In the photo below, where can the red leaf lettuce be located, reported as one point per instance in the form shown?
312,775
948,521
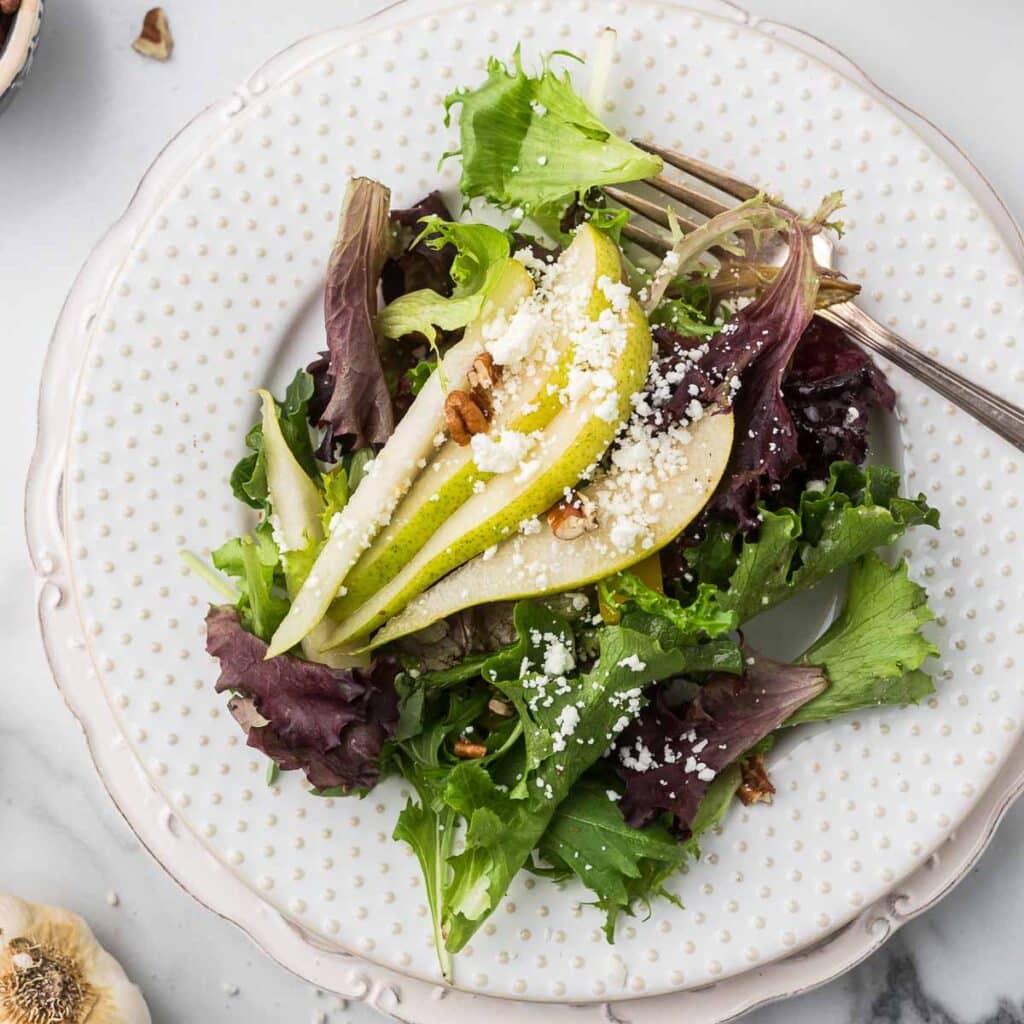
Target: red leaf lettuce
351,400
668,758
332,724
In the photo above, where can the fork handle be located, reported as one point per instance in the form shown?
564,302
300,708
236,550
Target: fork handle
999,415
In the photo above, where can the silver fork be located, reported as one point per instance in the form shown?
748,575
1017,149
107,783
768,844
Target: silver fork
998,414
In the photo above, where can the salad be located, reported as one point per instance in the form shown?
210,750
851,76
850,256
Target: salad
511,522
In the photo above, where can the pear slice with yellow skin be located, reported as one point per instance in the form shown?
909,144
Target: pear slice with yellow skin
297,505
570,446
506,575
451,477
394,469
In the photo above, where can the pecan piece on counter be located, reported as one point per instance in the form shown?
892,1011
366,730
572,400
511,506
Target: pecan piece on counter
756,787
155,39
572,517
463,417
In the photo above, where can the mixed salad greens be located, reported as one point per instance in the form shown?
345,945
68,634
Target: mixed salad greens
513,520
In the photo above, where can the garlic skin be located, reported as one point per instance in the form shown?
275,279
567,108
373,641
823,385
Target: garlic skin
53,971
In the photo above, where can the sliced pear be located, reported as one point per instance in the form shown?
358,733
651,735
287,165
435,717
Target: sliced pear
394,469
451,477
509,574
296,500
570,446
297,505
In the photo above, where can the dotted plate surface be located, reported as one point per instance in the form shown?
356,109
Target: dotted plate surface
220,293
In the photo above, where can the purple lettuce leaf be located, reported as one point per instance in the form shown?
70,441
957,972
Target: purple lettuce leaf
800,391
765,451
830,389
357,411
668,757
414,264
774,321
332,724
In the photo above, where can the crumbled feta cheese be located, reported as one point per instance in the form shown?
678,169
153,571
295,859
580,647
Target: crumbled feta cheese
500,454
558,657
633,662
509,342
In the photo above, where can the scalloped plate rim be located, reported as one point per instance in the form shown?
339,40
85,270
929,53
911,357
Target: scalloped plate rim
376,985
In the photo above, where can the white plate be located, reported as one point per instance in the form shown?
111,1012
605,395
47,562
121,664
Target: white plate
211,285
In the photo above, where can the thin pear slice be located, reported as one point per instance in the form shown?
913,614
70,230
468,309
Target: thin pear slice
530,404
297,505
394,469
573,442
509,573
295,499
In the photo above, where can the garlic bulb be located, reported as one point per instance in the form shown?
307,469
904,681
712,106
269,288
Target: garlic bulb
53,971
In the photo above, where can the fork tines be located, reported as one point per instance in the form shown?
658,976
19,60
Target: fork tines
685,195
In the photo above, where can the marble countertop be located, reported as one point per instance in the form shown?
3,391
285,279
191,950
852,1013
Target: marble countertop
73,146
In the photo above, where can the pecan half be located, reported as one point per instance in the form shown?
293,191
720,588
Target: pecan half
756,787
572,517
155,39
463,416
465,748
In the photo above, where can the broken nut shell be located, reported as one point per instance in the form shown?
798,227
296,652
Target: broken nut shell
155,39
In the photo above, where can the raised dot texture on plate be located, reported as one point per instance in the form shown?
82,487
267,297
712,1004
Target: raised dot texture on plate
236,251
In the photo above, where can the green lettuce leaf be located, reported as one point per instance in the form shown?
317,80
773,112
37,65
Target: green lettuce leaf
874,650
857,510
530,144
703,617
430,831
538,675
502,830
481,253
589,838
419,374
254,561
624,866
427,722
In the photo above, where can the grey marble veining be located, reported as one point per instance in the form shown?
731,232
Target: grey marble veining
94,106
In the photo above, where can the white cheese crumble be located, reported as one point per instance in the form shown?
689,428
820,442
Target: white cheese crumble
510,341
500,454
558,658
633,662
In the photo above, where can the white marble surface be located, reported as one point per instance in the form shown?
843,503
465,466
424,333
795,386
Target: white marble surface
72,147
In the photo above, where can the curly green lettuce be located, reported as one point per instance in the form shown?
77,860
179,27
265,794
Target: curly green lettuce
529,144
481,254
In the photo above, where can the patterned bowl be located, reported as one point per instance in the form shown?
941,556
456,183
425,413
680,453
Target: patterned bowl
18,48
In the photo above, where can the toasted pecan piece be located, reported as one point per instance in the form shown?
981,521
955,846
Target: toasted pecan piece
571,518
755,786
463,416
